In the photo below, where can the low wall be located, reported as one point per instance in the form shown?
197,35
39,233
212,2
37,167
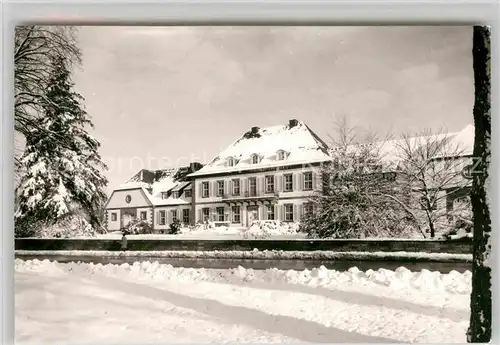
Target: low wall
428,246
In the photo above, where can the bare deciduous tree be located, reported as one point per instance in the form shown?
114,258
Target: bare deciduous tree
433,165
480,319
359,198
36,47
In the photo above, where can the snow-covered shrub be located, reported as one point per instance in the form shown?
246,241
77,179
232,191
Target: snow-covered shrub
138,227
69,227
461,221
175,227
260,229
353,208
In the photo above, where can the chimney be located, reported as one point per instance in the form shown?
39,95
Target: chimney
293,123
255,130
194,166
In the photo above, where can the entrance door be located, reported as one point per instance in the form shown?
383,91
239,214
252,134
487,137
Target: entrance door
127,216
252,214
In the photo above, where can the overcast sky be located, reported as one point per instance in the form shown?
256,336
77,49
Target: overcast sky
162,96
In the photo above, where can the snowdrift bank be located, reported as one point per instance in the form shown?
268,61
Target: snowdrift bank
400,279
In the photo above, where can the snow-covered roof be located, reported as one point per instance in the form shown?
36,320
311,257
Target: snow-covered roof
390,150
465,139
158,201
158,181
155,182
180,186
302,145
132,185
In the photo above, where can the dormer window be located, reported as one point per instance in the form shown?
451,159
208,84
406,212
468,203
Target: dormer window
164,195
281,155
254,159
230,162
175,195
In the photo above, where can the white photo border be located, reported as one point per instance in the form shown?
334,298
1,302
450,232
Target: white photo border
115,12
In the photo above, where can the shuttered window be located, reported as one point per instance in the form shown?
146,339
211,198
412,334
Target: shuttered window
185,216
287,183
269,184
236,214
205,190
205,214
220,214
288,213
308,180
236,187
252,186
270,212
220,188
162,219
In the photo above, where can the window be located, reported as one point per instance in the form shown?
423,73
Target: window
175,195
252,186
144,215
308,208
288,183
162,218
288,212
236,214
220,214
220,188
230,162
205,213
204,189
164,195
114,217
269,184
270,212
128,199
174,215
255,159
308,180
236,187
187,193
185,216
281,155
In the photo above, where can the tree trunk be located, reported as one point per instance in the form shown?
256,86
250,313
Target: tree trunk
480,320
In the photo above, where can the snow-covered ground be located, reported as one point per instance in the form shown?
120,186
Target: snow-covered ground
148,302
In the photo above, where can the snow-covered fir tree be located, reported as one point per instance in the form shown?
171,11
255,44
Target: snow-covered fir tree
63,168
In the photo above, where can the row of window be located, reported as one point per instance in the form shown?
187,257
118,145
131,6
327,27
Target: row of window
175,194
307,184
162,219
256,158
220,214
143,215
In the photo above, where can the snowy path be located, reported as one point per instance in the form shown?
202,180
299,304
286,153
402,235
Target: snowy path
158,303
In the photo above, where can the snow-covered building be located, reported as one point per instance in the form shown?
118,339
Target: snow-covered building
155,196
447,156
266,174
